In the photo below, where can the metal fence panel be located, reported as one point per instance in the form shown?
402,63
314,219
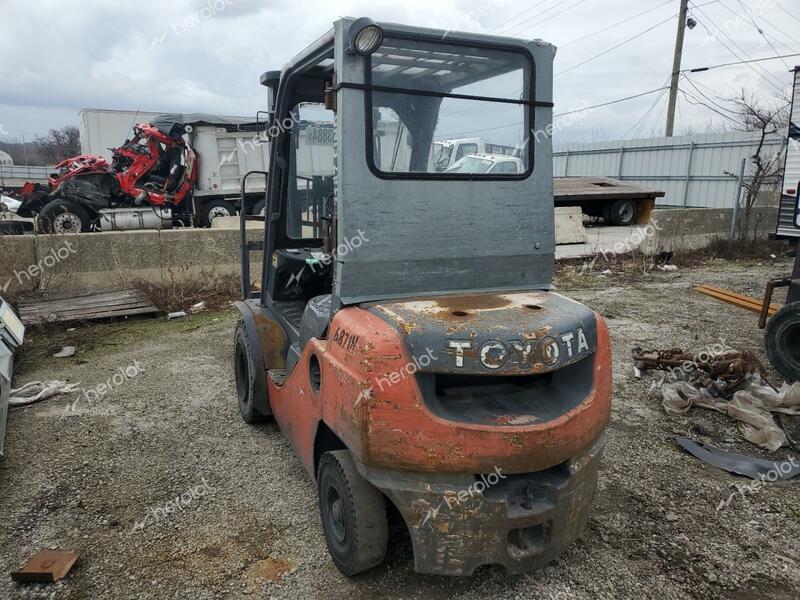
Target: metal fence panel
693,171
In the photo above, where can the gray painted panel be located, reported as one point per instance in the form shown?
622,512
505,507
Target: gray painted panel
438,236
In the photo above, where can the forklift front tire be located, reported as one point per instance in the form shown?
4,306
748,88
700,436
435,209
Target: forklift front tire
353,514
246,373
782,339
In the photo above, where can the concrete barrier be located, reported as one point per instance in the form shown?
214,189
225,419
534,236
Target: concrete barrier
59,264
693,228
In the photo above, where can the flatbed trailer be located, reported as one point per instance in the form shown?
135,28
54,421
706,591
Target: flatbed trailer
618,202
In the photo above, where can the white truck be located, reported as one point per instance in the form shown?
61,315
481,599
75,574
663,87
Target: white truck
495,164
447,153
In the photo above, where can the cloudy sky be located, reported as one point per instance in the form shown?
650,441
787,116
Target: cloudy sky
206,55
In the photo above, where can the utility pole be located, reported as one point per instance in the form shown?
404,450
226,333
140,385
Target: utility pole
676,67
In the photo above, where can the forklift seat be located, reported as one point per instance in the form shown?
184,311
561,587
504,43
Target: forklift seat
316,318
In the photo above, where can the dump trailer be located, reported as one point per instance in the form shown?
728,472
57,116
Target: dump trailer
405,334
782,335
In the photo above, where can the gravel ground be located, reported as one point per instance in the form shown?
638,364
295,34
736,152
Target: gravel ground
99,479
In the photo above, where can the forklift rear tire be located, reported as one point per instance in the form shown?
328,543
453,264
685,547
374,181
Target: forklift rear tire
621,213
782,339
64,216
245,370
217,208
353,514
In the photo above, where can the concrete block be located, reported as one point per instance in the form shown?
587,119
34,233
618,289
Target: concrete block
569,225
233,223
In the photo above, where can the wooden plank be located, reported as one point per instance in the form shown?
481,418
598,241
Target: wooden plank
87,314
84,300
48,566
733,296
86,307
735,299
95,316
83,308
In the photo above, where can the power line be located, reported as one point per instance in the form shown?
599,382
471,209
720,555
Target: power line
571,112
739,62
699,91
699,102
735,44
518,15
529,19
658,99
638,35
580,39
751,67
788,13
760,31
778,29
538,23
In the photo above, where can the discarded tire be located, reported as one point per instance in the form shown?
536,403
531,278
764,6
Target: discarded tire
782,339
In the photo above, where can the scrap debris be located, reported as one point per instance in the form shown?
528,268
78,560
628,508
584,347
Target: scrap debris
65,352
733,383
40,390
740,464
47,566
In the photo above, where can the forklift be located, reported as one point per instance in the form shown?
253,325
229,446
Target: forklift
404,334
782,330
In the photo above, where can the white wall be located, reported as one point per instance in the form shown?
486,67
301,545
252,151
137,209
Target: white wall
690,169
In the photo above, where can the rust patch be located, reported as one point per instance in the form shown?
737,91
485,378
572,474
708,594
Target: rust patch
443,527
451,498
515,419
474,302
272,339
514,440
272,569
457,316
419,508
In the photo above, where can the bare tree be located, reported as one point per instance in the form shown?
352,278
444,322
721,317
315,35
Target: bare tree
766,118
59,144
